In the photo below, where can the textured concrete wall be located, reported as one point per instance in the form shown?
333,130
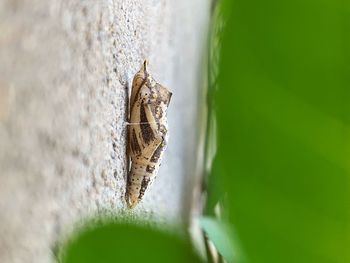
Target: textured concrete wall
65,73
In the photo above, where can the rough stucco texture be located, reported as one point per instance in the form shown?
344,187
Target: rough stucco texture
65,73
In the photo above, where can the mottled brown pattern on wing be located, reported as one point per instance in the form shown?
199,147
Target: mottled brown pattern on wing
144,184
146,130
132,102
150,168
135,147
156,155
138,81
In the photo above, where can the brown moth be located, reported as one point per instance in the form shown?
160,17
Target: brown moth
147,133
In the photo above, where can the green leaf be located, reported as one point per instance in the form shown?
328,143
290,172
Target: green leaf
221,236
283,116
124,242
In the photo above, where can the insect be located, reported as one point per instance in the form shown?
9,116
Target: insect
147,133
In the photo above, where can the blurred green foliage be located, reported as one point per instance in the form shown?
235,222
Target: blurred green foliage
118,241
282,109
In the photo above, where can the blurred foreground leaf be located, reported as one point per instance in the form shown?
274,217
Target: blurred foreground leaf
221,236
123,242
283,118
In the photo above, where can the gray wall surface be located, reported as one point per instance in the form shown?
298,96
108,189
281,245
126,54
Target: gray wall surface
65,72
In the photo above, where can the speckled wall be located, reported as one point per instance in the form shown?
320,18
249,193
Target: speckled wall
65,73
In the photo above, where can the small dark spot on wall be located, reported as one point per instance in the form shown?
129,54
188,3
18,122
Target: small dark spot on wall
93,183
85,160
